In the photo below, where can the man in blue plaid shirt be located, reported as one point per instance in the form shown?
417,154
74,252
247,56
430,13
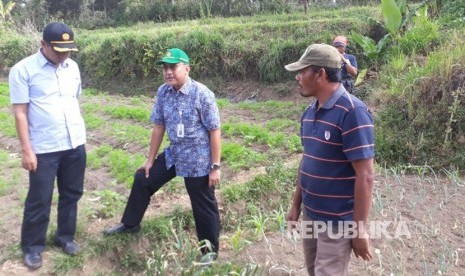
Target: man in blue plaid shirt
188,112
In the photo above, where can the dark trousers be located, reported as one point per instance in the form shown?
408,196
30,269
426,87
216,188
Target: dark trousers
203,200
68,168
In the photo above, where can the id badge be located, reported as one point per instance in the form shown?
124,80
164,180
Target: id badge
180,130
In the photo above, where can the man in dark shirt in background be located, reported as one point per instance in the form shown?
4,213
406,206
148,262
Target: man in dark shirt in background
349,67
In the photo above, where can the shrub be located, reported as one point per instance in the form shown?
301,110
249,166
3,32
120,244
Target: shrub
421,120
13,48
453,11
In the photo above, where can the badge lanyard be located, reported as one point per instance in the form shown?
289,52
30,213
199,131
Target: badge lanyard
180,131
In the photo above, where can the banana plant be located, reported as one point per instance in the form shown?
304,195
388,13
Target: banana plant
394,16
5,10
371,49
392,12
395,20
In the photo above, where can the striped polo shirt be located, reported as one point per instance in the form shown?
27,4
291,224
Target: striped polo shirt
333,135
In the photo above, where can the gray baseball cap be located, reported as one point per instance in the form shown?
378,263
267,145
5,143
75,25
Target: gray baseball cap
319,55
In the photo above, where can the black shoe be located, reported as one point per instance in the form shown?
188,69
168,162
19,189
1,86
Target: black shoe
70,248
33,260
121,228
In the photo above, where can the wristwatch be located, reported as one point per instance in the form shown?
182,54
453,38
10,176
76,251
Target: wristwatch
215,166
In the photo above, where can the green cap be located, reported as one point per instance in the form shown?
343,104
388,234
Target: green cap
174,56
319,55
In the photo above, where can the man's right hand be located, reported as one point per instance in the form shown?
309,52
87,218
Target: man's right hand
146,168
29,161
344,60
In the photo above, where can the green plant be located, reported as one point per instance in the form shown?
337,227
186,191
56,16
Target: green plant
126,112
158,227
280,218
259,223
421,105
7,124
127,133
182,219
3,186
396,20
110,203
5,10
123,165
235,192
392,12
95,157
421,36
62,264
453,11
93,121
132,260
237,240
238,156
371,49
4,101
157,263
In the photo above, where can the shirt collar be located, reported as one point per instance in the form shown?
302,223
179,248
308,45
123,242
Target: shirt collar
333,99
44,61
41,59
185,88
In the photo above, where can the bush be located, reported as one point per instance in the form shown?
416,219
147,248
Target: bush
14,47
254,48
421,119
420,38
453,11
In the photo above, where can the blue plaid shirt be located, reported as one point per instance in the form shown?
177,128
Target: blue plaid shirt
194,106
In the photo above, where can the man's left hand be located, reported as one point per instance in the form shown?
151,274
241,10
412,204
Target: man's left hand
214,178
361,247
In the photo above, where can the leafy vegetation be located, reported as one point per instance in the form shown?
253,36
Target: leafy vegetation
229,49
420,121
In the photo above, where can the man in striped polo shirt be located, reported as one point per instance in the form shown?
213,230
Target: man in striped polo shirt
336,174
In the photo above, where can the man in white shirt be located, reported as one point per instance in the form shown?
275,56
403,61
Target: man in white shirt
44,91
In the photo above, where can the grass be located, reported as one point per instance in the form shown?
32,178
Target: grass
7,124
237,156
93,121
9,163
127,133
127,112
111,204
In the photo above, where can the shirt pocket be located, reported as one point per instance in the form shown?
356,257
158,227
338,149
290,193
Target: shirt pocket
69,84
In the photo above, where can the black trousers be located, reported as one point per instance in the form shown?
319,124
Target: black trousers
203,200
68,168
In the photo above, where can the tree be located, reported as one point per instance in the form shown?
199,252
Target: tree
109,7
67,9
305,4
